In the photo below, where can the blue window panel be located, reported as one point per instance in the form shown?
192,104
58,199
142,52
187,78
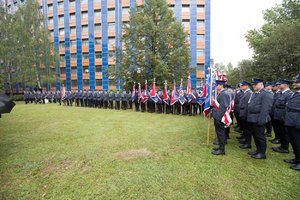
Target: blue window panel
178,10
17,87
79,46
31,88
91,44
132,3
104,44
118,28
67,45
193,40
207,38
56,41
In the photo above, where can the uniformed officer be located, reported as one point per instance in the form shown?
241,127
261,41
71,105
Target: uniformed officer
194,103
105,99
124,100
76,97
118,99
111,99
269,124
223,100
129,99
279,113
276,92
259,106
238,95
292,123
244,96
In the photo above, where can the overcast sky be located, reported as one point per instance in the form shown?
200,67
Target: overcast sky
230,21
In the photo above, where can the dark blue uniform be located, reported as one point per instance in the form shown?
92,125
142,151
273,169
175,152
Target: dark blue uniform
259,106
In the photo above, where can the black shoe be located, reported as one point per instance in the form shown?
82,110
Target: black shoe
275,141
216,148
242,141
259,156
280,150
245,146
268,134
296,167
240,137
251,153
218,152
290,161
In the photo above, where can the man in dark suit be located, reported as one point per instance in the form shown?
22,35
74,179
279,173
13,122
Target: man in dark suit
222,102
276,92
245,94
279,113
259,106
292,124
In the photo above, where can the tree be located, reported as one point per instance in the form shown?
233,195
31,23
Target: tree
155,46
244,71
26,52
276,44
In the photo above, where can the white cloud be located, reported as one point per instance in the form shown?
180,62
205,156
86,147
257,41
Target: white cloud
230,21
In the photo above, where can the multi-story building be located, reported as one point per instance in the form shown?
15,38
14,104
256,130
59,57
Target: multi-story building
86,32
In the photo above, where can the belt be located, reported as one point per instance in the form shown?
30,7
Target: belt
292,110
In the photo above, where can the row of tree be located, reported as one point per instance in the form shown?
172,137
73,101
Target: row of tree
276,46
26,52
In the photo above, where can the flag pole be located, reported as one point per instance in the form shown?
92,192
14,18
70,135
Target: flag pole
131,97
209,116
165,105
155,106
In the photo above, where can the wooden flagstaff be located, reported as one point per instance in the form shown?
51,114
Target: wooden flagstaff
164,104
131,96
208,129
155,106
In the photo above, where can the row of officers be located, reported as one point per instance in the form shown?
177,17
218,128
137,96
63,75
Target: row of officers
118,100
268,106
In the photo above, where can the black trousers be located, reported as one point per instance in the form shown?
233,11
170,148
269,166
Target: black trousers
275,127
105,104
282,134
111,104
294,135
137,106
246,131
118,105
269,127
221,135
143,107
258,133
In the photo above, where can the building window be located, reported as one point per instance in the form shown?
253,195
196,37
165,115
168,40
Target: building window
200,23
85,28
60,18
111,13
200,52
200,67
61,31
86,82
98,68
84,1
86,70
200,38
50,20
51,33
111,54
186,23
97,13
63,70
61,4
111,26
73,56
61,44
73,43
73,70
98,41
97,27
85,56
125,11
72,30
62,58
200,9
111,41
112,82
74,82
84,15
186,8
98,55
50,7
85,42
72,16
98,82
72,3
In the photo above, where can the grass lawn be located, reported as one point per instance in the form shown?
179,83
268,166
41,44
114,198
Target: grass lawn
53,152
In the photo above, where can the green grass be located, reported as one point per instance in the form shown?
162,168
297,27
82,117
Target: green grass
53,152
